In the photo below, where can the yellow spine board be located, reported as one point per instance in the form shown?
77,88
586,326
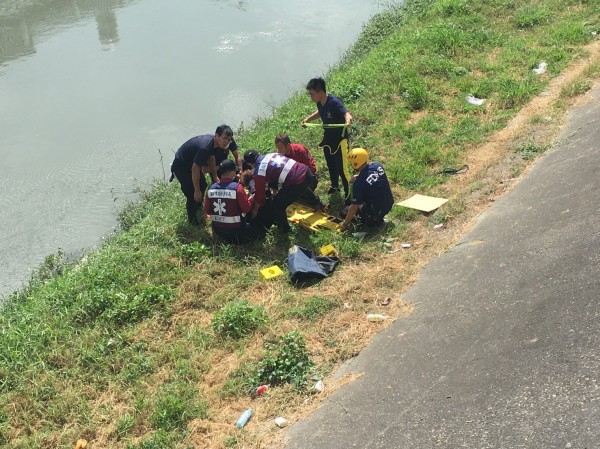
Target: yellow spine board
311,220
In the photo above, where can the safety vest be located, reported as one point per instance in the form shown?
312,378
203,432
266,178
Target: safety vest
279,170
225,211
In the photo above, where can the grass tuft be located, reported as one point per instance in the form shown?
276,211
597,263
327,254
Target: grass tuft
175,406
530,150
238,319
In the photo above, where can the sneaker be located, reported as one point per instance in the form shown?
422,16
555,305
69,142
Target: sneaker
333,190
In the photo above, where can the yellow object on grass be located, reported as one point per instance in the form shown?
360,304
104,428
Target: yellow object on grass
270,273
327,250
306,217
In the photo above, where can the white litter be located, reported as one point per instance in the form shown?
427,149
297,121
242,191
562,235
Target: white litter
541,68
406,245
375,317
475,101
281,421
319,386
438,226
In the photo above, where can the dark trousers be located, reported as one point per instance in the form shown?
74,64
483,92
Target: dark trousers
308,196
337,163
369,216
239,236
183,173
286,196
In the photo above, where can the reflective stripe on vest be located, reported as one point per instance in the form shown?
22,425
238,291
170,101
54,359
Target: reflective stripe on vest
222,198
286,169
262,168
269,158
221,219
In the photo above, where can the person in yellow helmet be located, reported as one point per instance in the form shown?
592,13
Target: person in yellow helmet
372,197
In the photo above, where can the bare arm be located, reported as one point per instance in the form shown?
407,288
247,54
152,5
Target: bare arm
348,118
310,118
212,168
196,173
238,159
351,214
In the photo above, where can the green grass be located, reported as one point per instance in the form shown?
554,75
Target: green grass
175,406
313,308
238,319
575,88
153,313
286,361
530,150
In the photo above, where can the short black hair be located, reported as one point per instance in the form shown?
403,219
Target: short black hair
224,129
250,156
226,166
316,84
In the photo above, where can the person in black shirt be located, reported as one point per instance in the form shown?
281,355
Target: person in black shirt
198,156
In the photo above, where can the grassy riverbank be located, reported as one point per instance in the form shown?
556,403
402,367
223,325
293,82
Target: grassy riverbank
155,340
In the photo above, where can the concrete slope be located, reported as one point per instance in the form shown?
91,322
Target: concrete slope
503,350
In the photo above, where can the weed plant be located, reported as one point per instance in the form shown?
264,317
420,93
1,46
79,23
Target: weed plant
238,319
286,361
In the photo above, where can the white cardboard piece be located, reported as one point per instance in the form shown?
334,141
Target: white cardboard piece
423,203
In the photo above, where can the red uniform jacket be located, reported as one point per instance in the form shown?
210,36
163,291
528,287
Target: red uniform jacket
225,202
301,154
277,171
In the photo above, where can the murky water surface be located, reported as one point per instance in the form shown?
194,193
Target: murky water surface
91,90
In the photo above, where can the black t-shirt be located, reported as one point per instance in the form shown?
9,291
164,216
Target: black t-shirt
198,149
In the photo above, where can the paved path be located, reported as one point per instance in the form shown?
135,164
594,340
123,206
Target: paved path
503,350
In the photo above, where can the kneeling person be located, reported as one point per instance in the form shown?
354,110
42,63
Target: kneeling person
227,203
372,197
289,178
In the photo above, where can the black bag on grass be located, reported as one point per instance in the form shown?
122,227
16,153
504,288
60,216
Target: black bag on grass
304,265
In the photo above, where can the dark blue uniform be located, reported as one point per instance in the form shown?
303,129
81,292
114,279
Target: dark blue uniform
333,112
372,190
196,150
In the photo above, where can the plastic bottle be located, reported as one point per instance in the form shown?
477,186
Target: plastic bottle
244,418
374,317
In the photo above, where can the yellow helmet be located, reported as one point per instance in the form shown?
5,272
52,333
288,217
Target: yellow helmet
358,157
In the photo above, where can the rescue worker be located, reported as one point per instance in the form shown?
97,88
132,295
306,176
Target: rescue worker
332,111
198,156
227,203
290,179
298,152
372,197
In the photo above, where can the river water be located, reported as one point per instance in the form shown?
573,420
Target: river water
92,92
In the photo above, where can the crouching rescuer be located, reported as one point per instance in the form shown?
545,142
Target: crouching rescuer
227,203
287,177
372,197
